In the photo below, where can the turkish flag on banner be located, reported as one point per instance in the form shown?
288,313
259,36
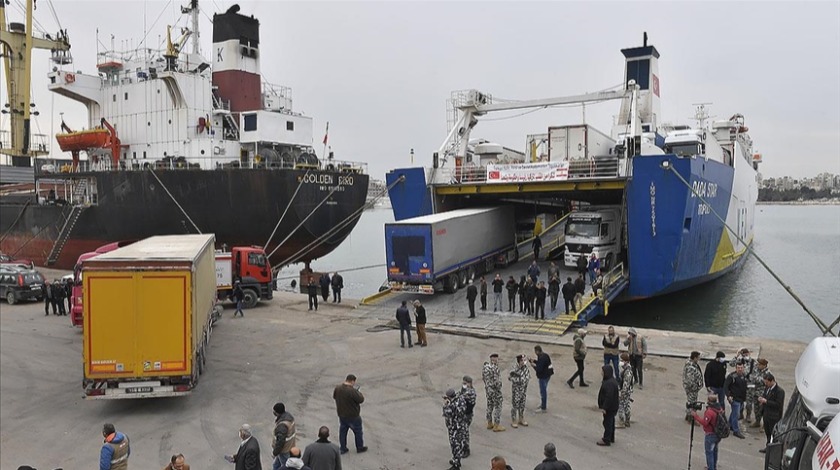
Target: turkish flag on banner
655,85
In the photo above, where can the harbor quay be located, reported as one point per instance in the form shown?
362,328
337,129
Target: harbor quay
282,351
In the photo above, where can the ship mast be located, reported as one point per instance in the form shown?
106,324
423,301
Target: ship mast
193,12
17,43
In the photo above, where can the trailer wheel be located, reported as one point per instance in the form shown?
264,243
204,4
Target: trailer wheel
10,297
471,273
451,284
251,298
199,363
462,278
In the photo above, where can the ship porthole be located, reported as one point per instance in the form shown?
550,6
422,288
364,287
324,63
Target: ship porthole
202,152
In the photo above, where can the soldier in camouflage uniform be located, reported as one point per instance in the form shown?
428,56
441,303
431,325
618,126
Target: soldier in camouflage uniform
519,377
493,388
625,391
750,370
761,371
692,381
468,392
454,411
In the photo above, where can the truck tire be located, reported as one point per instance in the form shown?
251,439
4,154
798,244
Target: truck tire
471,273
450,286
10,297
199,365
251,298
463,277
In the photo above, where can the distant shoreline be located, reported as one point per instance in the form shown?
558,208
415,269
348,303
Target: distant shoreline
831,202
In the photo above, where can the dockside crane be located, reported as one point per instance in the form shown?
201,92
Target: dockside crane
17,42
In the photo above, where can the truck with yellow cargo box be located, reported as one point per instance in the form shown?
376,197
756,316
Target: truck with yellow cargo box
149,309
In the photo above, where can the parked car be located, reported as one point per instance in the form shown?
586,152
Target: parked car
6,259
19,283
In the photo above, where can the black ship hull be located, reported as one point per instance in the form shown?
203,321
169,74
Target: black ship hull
240,206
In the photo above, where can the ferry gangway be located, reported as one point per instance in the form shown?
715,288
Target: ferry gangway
615,282
553,237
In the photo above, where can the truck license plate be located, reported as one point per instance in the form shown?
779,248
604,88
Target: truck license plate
138,390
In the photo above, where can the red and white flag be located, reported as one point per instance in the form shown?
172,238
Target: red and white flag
327,133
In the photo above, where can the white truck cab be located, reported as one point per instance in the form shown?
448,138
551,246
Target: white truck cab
813,404
594,230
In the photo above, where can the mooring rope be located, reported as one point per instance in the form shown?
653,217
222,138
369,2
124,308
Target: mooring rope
300,183
174,200
822,326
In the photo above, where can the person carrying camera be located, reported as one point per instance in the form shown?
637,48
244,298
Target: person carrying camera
711,441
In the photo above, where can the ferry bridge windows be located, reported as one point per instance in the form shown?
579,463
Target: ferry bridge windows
126,96
639,70
250,122
290,125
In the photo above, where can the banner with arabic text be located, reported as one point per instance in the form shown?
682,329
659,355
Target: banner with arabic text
527,172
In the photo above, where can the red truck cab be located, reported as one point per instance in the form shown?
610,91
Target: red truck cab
76,317
250,266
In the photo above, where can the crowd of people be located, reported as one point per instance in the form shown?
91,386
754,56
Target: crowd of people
750,390
56,293
285,453
533,292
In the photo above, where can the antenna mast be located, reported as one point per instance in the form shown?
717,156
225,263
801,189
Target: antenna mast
193,12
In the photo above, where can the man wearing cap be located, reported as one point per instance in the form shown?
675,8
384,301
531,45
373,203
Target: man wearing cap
579,357
714,376
247,457
420,321
550,462
284,435
637,348
773,402
468,393
762,369
491,376
454,409
692,381
519,377
750,371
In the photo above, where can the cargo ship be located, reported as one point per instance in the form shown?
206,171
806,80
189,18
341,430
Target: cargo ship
174,143
676,201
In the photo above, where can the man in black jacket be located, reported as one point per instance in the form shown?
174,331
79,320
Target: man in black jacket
337,284
553,291
551,462
714,376
539,301
542,366
569,292
248,455
472,293
420,320
512,287
498,287
404,319
312,290
735,388
325,282
773,404
608,404
483,292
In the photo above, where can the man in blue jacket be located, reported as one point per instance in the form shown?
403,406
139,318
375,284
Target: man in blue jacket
115,450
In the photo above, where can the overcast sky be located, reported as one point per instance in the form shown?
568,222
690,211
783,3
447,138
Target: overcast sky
380,73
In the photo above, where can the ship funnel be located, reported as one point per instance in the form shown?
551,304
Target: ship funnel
236,60
642,66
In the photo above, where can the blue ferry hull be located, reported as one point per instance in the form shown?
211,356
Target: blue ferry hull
675,241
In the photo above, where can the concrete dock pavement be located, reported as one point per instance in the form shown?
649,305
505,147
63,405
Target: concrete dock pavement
280,351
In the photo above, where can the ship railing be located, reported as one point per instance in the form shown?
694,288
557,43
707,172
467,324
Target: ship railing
39,144
579,170
61,172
